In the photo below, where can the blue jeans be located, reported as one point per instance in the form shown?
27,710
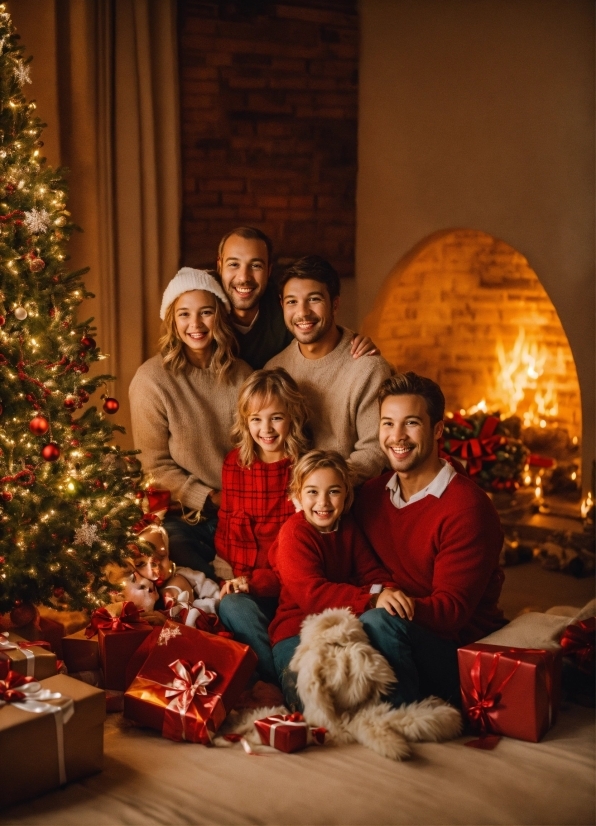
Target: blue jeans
248,618
191,546
282,654
423,663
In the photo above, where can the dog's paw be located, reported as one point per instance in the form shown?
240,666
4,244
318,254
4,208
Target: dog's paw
371,727
431,719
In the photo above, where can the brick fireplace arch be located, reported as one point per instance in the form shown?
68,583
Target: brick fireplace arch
467,310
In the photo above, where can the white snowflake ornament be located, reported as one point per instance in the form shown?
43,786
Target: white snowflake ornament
37,221
22,73
168,633
86,535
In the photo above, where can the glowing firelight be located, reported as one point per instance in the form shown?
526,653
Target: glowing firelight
587,505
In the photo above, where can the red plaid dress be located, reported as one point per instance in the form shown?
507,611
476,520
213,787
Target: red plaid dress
254,506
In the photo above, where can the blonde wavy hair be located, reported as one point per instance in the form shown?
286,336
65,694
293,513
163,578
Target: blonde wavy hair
258,391
224,351
315,460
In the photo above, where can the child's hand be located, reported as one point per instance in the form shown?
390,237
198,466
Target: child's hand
363,346
396,602
239,585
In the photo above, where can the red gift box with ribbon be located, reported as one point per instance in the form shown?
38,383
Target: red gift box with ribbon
579,644
189,683
288,732
118,638
513,692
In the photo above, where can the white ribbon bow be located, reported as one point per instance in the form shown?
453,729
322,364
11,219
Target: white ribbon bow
183,689
183,602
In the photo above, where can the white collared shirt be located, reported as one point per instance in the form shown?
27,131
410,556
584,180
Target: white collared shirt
242,328
435,488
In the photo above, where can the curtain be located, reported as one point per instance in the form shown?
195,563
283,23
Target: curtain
111,81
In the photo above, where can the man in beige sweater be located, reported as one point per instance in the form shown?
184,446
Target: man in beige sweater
341,391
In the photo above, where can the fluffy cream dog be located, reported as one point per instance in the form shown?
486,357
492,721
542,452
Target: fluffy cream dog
341,679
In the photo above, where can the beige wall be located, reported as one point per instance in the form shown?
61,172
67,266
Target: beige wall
480,114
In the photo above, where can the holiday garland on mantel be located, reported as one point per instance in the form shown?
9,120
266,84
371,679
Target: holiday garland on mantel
68,498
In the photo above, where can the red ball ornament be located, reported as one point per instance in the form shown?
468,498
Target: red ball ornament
50,452
70,402
37,265
83,396
98,483
111,405
6,495
140,494
59,593
88,343
39,425
74,443
23,614
82,368
1,409
2,321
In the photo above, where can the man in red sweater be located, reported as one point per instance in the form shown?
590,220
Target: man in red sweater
439,537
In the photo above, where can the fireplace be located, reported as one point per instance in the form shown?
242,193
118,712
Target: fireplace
467,310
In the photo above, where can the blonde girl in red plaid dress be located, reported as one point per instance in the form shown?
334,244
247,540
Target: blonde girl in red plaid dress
270,434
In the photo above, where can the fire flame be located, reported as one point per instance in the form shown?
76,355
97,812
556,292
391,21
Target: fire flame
517,389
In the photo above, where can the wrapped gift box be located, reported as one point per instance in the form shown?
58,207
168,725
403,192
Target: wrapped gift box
80,652
510,691
189,683
30,754
17,654
45,629
118,638
288,732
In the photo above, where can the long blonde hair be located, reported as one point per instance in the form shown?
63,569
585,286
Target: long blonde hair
315,460
224,351
258,390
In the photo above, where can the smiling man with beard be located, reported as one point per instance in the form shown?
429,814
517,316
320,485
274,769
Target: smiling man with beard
340,390
439,537
244,261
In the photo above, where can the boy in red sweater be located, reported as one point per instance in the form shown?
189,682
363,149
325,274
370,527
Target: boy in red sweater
321,558
439,537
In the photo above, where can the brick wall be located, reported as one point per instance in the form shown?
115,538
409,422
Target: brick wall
444,309
268,110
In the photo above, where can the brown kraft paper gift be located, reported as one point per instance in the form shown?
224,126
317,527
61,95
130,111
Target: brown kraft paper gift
30,660
29,742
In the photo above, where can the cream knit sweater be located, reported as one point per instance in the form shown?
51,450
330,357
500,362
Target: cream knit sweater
181,423
341,393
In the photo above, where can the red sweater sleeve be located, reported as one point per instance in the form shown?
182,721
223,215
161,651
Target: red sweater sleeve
303,561
367,568
471,541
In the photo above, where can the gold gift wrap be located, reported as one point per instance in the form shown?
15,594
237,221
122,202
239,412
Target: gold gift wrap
40,665
29,756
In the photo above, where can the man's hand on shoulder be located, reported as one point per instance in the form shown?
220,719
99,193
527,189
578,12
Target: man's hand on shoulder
396,603
363,346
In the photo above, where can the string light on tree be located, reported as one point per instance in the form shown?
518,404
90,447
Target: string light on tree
65,512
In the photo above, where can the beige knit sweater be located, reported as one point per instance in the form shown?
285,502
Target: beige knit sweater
181,423
341,393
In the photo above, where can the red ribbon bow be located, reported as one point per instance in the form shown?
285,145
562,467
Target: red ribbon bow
483,701
479,449
9,687
578,642
101,619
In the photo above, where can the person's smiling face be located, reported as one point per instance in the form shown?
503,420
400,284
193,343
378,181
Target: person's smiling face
244,270
405,433
323,497
194,315
309,312
269,425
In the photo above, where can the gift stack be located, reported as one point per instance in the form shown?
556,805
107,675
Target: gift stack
99,654
513,692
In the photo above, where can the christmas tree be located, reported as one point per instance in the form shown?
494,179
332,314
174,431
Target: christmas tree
68,497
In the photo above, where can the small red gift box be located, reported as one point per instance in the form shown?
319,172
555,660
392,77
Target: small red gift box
288,732
118,638
510,691
188,683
